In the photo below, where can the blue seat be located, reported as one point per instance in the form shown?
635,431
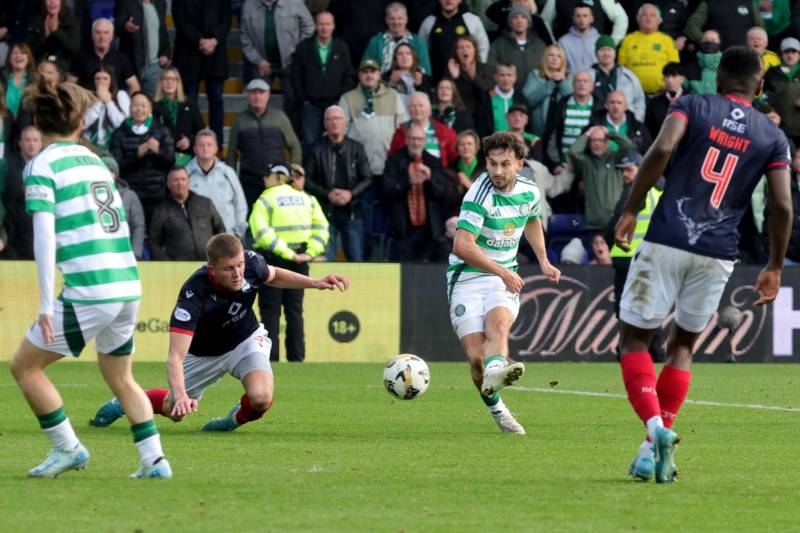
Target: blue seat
561,229
101,9
565,224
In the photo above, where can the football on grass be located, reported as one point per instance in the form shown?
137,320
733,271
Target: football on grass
406,376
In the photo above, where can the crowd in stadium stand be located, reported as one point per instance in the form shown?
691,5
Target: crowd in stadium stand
378,108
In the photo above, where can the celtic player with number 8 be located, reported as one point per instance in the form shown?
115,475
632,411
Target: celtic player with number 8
79,226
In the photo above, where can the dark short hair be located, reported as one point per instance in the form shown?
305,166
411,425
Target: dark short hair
580,5
504,141
142,93
740,64
177,168
222,246
672,69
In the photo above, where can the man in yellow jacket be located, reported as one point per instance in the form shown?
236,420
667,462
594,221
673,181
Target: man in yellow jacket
289,229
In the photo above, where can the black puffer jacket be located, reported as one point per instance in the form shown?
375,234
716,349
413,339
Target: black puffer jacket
145,175
259,141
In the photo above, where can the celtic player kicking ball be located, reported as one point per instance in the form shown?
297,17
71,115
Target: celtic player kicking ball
482,283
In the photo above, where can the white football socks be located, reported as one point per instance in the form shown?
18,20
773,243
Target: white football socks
653,424
494,363
63,436
150,449
645,449
498,409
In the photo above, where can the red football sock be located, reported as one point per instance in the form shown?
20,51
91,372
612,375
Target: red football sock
246,413
639,376
672,386
156,397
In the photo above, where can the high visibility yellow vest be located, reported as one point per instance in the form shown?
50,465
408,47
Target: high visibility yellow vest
642,223
285,219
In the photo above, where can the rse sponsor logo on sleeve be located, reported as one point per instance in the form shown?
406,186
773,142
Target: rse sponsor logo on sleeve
472,217
182,314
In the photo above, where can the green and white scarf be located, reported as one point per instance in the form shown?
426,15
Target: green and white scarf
139,129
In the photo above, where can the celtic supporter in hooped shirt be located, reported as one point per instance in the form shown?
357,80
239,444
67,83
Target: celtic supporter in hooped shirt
482,284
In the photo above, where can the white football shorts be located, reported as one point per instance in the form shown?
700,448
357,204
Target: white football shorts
111,325
661,276
472,299
250,355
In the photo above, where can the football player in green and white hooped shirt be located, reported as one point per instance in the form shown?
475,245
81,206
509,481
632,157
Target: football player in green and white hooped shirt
482,283
79,226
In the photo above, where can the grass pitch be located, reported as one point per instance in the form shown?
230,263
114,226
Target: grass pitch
337,453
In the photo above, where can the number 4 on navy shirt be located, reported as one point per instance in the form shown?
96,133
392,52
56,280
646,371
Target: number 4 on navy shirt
728,146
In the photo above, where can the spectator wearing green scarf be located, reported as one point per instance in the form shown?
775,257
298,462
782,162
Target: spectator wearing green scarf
178,113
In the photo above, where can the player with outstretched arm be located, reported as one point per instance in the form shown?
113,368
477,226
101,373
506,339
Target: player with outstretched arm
722,147
213,331
482,282
79,226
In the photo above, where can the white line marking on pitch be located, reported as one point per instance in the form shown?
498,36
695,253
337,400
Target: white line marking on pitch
622,396
61,385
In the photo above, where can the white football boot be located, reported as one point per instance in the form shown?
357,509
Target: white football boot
507,423
495,380
59,461
158,470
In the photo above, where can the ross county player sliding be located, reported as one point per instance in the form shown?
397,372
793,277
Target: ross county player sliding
213,331
722,147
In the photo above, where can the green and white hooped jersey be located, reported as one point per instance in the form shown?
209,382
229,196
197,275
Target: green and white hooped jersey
93,247
498,219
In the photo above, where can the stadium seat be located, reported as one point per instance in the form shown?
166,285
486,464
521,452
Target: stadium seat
101,9
561,229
